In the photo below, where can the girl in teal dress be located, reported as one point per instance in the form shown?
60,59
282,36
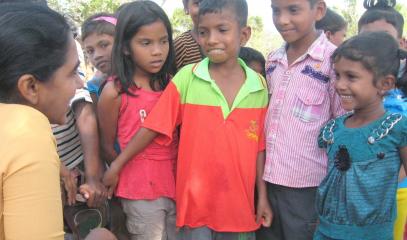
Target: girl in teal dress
366,147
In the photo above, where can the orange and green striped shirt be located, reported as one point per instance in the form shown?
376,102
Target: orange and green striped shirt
218,147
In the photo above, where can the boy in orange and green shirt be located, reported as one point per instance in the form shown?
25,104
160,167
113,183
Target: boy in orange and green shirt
220,105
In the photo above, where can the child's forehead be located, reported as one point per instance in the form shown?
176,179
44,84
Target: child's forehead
287,3
227,14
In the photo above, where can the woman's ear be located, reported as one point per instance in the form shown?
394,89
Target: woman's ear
28,89
386,84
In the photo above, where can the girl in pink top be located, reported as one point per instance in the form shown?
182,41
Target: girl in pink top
142,58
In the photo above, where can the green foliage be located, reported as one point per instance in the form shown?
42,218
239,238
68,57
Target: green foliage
403,10
260,40
351,16
79,10
180,22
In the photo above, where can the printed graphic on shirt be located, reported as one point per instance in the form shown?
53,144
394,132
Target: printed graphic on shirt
318,75
271,69
143,115
252,131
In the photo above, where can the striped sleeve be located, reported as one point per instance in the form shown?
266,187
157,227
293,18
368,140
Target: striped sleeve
187,50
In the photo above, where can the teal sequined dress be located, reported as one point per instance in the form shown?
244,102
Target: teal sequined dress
357,198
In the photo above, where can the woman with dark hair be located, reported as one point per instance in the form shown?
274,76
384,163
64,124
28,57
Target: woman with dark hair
38,77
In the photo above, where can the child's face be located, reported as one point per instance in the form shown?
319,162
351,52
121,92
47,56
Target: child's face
256,66
220,36
98,48
149,47
380,25
295,19
355,86
192,8
338,37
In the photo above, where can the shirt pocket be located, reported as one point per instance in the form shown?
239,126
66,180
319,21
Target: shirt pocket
308,105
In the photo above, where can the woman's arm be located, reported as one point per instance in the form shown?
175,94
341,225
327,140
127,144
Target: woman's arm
31,190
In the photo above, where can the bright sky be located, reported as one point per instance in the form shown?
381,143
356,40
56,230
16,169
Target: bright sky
262,8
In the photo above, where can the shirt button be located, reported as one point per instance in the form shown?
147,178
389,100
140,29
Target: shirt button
287,72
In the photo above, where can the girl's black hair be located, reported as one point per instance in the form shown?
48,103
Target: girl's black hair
33,40
381,61
382,9
248,55
90,26
131,17
332,22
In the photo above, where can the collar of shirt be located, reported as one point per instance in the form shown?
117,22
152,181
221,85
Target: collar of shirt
253,83
315,51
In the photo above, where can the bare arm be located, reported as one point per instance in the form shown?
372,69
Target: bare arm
140,140
108,114
403,156
264,214
86,122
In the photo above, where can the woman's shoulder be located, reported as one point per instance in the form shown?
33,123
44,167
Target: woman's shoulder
20,117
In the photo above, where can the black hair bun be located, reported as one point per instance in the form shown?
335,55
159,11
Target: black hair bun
368,4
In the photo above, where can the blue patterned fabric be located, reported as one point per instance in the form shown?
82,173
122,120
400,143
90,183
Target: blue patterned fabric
396,102
360,203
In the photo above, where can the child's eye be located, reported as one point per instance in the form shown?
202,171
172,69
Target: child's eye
104,45
275,11
165,41
89,51
145,43
352,77
293,9
201,33
337,75
223,30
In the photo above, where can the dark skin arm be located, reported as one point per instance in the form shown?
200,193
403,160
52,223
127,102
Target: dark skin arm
95,192
139,141
403,156
264,215
108,115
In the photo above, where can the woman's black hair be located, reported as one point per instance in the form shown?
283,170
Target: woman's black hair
131,18
248,55
381,61
33,40
100,26
382,10
332,22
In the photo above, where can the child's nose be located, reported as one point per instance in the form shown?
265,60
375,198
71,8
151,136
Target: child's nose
157,49
283,19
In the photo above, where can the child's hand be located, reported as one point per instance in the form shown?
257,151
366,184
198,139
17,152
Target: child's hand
94,192
110,179
264,215
69,178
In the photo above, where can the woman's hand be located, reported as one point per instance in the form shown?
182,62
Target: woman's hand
70,180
